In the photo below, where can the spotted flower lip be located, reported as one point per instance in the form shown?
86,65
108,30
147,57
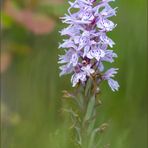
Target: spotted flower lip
87,44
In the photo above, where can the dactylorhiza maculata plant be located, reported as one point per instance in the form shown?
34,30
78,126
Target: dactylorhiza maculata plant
87,48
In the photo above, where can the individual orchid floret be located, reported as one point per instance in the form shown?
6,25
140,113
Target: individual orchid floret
109,56
88,70
78,77
108,75
113,84
95,53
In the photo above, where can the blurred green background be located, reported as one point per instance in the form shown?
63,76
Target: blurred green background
31,89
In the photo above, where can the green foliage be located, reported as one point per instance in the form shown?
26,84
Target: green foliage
31,87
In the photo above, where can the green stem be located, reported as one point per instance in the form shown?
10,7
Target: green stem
88,117
85,122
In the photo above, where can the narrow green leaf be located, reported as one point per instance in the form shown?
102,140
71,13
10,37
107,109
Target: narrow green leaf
90,108
92,138
88,87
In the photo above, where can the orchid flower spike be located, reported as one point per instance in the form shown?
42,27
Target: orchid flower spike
87,46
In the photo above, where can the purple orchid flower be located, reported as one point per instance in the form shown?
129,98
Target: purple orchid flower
87,41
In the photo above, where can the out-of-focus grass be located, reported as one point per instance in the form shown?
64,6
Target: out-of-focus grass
31,87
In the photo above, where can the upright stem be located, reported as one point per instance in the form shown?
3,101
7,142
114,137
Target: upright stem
85,113
88,116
